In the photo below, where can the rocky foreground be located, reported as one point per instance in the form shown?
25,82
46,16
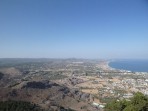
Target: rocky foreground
48,95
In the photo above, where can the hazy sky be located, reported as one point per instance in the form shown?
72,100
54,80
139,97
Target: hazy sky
74,28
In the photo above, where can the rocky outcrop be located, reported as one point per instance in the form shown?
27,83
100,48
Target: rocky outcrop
11,71
75,81
49,95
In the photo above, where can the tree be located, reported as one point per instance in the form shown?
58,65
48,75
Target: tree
18,106
138,102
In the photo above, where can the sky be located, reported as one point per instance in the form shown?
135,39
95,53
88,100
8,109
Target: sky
94,29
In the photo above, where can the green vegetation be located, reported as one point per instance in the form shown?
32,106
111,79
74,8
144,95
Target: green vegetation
137,103
119,91
106,99
18,106
57,76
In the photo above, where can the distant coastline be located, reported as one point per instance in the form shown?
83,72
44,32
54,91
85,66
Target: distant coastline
130,65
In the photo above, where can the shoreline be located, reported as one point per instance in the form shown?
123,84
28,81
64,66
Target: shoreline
113,68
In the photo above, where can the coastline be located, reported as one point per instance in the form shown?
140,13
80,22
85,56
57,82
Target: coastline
119,69
109,62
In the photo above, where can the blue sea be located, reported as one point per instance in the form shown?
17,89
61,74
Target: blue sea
130,65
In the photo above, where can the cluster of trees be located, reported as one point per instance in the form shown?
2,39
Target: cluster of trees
18,106
25,106
138,102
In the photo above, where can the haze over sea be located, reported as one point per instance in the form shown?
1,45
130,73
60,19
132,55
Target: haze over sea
130,65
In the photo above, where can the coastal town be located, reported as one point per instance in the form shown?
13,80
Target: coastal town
89,83
109,83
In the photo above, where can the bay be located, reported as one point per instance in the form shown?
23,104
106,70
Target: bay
130,65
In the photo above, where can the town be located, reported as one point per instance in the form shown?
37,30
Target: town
91,82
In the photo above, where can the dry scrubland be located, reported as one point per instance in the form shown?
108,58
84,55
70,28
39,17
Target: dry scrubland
69,84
